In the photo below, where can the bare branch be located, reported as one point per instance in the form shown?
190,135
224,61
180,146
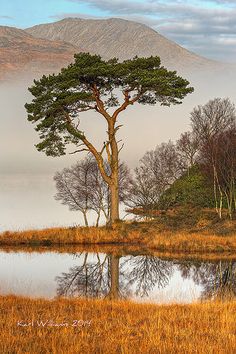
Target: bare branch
100,104
98,158
121,147
108,153
126,103
75,132
87,109
80,150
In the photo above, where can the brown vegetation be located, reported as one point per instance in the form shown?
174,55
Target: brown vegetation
161,235
115,327
21,53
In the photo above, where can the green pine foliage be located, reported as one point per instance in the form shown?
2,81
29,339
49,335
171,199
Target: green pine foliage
91,83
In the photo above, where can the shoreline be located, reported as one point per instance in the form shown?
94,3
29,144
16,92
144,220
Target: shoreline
138,235
120,250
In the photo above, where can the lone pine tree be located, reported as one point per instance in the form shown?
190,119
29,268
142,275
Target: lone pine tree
108,88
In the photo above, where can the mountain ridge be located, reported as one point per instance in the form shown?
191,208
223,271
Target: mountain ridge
46,48
120,38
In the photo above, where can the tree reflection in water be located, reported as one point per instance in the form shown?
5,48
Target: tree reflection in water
218,279
114,276
146,272
90,279
117,276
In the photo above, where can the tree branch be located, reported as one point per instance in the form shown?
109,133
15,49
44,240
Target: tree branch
85,109
78,134
98,158
121,148
100,105
80,150
108,153
126,103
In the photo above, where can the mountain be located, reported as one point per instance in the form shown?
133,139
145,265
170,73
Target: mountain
22,53
121,39
45,48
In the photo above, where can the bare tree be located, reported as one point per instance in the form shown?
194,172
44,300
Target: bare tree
158,169
99,193
82,188
73,187
141,192
213,118
218,156
214,126
226,168
188,147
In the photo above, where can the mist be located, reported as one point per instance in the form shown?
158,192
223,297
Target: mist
26,176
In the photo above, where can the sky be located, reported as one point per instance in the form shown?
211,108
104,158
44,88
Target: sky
205,27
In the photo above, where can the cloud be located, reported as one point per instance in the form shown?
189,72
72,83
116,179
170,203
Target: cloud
147,7
62,15
222,2
5,17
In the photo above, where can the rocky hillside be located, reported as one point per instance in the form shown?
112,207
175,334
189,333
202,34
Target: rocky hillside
121,39
22,53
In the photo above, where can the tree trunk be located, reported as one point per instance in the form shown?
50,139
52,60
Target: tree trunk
114,190
113,159
98,218
85,218
114,274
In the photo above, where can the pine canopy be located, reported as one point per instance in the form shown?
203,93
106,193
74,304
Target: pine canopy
107,87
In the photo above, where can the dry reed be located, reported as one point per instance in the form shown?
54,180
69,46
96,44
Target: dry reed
115,327
141,234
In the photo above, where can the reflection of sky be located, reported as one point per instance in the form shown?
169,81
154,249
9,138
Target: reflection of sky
178,290
33,274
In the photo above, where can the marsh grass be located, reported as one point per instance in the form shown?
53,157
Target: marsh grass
143,234
116,327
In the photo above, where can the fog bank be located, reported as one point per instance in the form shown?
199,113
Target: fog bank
26,176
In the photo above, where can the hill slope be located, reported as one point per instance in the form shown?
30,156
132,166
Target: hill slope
122,39
22,53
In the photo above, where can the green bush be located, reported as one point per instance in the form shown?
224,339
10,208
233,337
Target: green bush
190,189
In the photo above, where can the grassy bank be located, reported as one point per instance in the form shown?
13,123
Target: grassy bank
143,234
115,327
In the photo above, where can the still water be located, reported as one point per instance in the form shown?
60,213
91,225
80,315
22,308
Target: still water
140,277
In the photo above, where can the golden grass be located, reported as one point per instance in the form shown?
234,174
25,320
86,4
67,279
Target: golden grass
184,242
115,327
147,235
